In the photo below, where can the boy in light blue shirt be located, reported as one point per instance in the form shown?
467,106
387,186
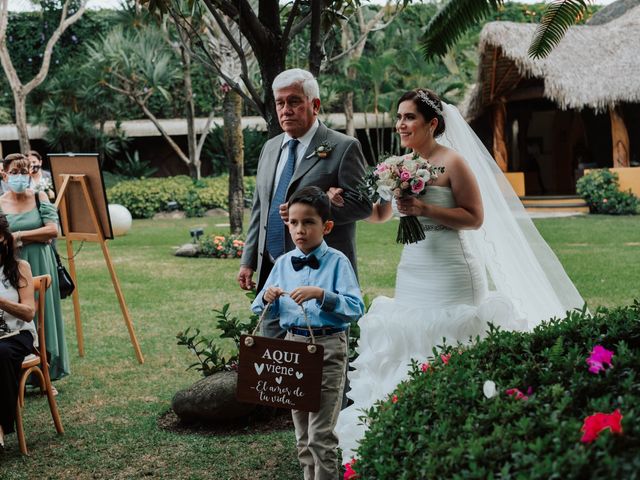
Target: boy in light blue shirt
322,277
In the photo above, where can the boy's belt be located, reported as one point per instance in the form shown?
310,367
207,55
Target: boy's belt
316,331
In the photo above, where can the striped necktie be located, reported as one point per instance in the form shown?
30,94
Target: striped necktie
275,226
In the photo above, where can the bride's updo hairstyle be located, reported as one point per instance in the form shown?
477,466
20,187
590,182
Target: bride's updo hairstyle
428,104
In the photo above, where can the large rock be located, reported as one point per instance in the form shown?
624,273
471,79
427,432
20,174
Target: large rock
174,215
188,250
212,399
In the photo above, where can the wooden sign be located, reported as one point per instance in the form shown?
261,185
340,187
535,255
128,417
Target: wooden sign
280,373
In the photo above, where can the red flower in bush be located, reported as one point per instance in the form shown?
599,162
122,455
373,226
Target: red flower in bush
394,399
350,473
598,358
517,393
596,423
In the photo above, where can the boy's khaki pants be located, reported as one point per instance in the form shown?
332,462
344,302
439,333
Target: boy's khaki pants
317,442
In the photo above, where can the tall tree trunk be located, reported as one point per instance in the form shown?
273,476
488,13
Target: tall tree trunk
20,101
347,105
234,149
269,71
194,160
315,47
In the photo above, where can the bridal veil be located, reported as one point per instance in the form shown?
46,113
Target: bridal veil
520,264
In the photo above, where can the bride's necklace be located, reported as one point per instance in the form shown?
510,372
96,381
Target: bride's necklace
431,151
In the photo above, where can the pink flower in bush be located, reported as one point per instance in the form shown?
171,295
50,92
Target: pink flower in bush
349,471
598,358
517,393
445,358
425,366
596,423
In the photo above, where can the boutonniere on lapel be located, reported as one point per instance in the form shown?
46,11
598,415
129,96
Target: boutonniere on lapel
323,150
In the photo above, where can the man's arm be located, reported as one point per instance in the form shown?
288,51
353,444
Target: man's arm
351,173
345,302
249,260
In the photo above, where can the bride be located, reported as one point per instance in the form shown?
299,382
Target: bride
482,261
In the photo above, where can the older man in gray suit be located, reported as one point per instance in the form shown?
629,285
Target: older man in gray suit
306,153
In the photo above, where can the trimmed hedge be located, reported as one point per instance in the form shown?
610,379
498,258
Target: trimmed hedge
147,196
441,425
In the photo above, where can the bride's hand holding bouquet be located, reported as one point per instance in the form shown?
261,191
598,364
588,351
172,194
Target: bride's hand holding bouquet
404,178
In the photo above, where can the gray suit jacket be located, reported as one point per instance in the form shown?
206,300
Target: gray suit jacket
344,167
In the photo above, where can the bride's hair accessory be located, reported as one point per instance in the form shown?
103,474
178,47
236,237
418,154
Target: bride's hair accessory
424,98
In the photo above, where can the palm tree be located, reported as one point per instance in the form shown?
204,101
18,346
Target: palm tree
458,16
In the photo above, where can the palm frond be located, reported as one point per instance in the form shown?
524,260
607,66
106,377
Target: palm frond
556,19
451,22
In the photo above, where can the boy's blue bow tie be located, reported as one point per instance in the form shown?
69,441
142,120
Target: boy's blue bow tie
311,261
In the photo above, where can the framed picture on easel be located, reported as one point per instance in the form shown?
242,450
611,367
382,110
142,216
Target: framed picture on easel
84,216
78,215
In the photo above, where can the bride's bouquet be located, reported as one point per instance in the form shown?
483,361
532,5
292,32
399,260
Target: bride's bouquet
401,176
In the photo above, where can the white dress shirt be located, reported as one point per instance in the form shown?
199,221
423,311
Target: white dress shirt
301,149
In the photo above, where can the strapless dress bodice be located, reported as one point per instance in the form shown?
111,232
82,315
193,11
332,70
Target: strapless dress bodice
435,195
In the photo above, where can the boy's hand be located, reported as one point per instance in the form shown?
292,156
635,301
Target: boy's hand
302,294
271,294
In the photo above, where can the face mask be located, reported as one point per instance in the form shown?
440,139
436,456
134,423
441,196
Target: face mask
18,183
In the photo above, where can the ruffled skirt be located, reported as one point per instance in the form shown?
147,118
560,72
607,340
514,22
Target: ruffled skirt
440,294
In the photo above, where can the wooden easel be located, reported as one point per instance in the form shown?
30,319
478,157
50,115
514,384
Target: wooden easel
99,237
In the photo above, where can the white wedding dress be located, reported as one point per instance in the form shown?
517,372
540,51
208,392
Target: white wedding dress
441,291
454,283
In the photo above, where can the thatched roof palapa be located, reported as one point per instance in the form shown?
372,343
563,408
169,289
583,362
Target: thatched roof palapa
594,66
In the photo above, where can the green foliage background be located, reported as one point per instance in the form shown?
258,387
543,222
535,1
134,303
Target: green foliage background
72,100
145,197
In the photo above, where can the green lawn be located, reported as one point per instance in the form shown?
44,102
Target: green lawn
110,404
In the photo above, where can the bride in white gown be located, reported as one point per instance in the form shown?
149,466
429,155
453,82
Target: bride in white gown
482,261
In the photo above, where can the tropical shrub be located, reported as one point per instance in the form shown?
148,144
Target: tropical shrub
147,196
445,422
601,190
133,167
209,355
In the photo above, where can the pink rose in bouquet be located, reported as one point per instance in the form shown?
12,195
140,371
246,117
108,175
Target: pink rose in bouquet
399,176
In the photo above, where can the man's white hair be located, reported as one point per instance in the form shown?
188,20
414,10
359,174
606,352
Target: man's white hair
297,76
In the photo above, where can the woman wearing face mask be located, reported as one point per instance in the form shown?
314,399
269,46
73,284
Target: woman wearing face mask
17,329
33,230
40,180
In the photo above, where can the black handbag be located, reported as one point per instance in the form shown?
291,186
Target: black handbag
65,283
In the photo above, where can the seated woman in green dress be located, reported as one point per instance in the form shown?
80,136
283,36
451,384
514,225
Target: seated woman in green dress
33,229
